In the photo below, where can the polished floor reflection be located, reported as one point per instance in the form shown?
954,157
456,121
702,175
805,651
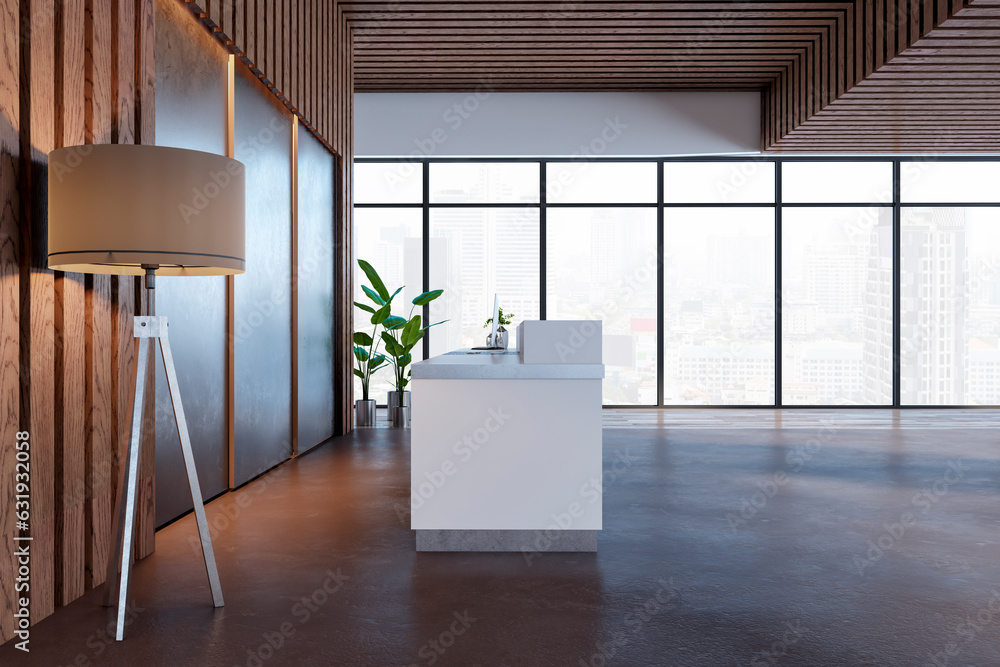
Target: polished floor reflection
731,538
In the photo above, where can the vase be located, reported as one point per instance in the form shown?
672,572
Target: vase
364,412
500,342
399,411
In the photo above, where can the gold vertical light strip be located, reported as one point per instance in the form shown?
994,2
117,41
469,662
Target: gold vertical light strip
231,290
295,285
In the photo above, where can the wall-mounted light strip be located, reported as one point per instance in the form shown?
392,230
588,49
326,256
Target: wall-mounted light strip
295,285
231,289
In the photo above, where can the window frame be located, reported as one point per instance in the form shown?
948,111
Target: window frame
661,206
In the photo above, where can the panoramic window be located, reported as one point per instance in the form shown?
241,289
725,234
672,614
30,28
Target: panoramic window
476,253
836,310
884,300
602,266
718,306
950,341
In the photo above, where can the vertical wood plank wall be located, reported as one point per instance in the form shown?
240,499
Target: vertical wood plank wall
303,51
72,72
82,71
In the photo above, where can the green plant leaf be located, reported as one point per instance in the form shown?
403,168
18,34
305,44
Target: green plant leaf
391,346
427,297
435,324
404,382
359,374
405,359
381,314
376,362
375,279
416,339
361,354
364,307
373,295
393,322
409,336
361,338
396,292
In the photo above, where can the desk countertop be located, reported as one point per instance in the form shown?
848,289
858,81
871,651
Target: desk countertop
469,364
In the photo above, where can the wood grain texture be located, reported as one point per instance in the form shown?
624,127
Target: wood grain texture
72,72
100,479
10,206
145,301
70,309
70,422
123,71
37,293
804,57
145,91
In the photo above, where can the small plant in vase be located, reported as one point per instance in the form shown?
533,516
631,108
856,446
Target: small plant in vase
505,320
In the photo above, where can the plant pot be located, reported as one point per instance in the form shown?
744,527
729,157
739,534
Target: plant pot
364,412
501,340
399,418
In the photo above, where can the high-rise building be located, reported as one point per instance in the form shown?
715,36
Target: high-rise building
934,306
876,337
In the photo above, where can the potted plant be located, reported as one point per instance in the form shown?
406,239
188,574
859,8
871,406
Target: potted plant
399,335
366,345
502,339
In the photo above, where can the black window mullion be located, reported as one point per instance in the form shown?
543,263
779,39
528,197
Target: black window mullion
777,287
660,311
897,234
543,280
427,253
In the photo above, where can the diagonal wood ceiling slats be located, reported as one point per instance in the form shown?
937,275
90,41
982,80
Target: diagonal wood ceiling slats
856,75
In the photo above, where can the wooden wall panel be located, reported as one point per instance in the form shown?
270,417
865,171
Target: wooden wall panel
37,294
927,87
10,157
72,72
303,51
69,328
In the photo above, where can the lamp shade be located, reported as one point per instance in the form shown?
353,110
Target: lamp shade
114,208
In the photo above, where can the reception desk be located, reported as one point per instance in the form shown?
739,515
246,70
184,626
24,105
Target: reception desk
506,455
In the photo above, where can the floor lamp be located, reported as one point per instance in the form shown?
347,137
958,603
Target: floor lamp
147,210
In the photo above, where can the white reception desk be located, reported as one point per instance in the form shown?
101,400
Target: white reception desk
506,455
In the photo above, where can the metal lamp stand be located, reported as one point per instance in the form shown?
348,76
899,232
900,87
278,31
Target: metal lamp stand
149,330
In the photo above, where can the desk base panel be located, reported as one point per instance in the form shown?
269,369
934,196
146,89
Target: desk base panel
523,541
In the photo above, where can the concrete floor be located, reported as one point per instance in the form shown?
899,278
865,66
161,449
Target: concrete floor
844,543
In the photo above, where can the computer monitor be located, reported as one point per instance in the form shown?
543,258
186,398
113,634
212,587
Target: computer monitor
496,321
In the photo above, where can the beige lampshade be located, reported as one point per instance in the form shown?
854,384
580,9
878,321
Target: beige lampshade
113,208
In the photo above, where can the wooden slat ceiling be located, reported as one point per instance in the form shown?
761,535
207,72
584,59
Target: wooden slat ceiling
848,76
